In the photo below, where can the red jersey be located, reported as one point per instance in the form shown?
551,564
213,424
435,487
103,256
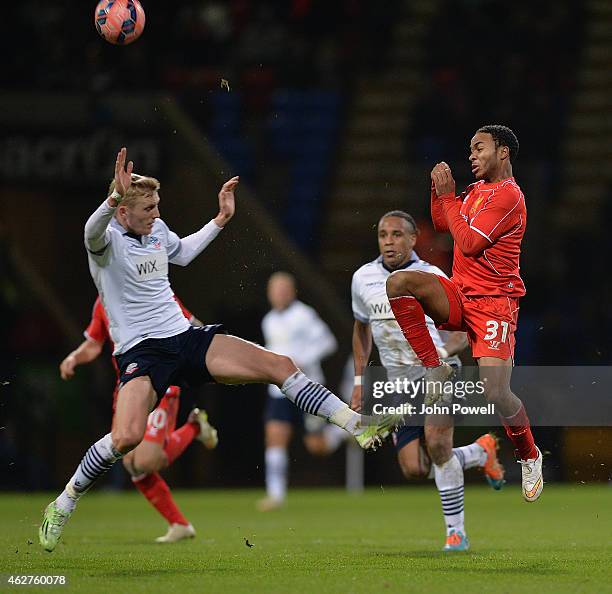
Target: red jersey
487,223
98,326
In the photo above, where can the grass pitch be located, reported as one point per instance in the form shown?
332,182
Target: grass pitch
387,540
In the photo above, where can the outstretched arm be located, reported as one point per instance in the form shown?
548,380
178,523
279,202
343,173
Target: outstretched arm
470,242
362,349
97,236
193,245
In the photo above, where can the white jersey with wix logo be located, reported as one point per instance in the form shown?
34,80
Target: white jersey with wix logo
371,306
131,275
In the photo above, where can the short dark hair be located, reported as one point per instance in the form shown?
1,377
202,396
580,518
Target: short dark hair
402,215
503,136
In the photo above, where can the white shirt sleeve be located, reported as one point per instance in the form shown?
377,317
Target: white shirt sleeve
437,271
183,251
360,311
265,329
97,234
319,342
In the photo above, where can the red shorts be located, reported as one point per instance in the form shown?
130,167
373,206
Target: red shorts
162,420
490,321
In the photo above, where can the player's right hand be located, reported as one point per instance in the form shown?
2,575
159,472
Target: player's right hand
356,399
123,175
442,179
67,367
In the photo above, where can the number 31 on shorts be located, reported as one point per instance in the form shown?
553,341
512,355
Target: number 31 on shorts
493,329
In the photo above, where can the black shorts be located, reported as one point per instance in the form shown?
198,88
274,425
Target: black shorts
173,361
404,435
282,409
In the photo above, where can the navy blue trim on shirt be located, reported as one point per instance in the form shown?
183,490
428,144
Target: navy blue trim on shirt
99,252
115,223
413,258
409,263
176,252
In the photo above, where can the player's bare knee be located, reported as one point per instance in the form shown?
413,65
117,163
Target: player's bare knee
125,440
124,444
317,450
411,470
128,463
315,444
149,464
281,367
408,282
161,462
397,285
439,451
496,394
491,394
412,473
410,463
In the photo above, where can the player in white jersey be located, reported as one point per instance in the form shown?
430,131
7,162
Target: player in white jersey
295,329
397,235
129,248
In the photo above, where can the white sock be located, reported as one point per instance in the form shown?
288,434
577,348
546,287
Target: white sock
449,480
317,400
471,456
277,462
94,464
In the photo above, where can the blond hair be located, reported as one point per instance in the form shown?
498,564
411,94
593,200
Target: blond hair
141,186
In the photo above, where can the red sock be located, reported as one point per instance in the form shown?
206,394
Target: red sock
518,429
179,440
411,318
156,490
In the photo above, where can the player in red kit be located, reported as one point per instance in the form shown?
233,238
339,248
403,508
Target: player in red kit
487,223
162,444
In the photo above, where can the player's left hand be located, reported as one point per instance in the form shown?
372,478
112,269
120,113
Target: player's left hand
67,367
227,202
442,179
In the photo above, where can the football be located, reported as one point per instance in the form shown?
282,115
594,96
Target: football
119,22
